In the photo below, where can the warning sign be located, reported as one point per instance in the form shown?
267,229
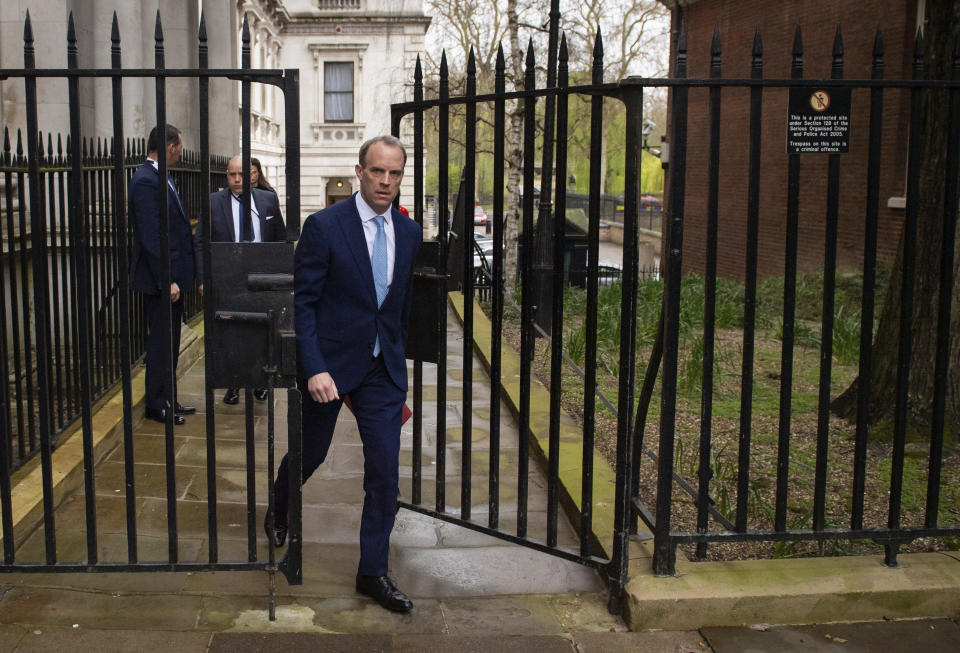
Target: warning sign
818,121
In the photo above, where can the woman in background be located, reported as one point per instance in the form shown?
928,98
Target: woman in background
257,180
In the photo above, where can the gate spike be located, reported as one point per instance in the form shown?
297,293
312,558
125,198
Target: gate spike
682,41
443,64
596,76
757,44
878,46
471,63
836,70
501,64
715,43
99,148
757,53
19,144
69,147
71,34
919,49
245,47
563,56
531,61
158,31
40,152
27,31
60,149
418,72
797,45
83,149
202,32
6,145
838,44
50,147
115,33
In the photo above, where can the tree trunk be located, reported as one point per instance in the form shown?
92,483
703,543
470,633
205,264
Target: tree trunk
514,154
943,21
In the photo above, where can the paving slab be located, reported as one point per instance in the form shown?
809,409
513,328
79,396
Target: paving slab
299,643
507,615
98,610
491,570
11,635
885,636
57,640
483,644
653,642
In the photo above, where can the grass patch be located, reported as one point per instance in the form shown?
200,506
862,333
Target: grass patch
726,425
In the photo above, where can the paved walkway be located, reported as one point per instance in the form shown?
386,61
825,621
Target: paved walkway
472,592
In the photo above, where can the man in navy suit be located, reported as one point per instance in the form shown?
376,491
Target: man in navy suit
145,268
353,279
226,218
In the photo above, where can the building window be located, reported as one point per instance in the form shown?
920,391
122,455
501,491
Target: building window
338,92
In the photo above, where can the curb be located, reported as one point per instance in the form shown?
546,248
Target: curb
782,591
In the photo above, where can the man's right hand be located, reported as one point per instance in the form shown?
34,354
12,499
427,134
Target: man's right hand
322,388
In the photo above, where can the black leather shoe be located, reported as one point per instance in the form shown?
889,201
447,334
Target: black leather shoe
231,396
278,534
384,592
185,410
160,415
260,394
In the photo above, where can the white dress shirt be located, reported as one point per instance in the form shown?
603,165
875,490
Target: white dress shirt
367,216
254,218
156,166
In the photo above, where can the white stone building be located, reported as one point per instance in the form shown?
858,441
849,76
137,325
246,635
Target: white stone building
355,57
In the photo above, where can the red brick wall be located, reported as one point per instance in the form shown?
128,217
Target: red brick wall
737,21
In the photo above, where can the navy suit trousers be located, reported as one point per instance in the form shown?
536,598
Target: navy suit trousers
377,404
157,393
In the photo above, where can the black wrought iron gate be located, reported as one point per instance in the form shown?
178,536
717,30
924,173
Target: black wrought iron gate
249,296
447,265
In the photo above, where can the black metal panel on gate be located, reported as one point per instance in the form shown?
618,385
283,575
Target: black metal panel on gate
425,328
252,302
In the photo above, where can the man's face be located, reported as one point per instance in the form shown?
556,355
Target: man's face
380,176
235,176
173,152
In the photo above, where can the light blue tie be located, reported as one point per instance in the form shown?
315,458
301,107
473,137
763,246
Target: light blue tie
379,270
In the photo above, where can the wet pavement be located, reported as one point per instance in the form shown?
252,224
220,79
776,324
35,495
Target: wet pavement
472,592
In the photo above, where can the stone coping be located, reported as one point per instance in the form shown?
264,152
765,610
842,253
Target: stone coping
781,591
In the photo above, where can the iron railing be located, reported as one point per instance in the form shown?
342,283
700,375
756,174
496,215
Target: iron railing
54,163
83,217
742,524
541,287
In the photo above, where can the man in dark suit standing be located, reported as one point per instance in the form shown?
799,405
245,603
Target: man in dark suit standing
145,267
353,279
226,220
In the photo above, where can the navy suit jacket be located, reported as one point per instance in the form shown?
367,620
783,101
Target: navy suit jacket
336,314
144,214
272,229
